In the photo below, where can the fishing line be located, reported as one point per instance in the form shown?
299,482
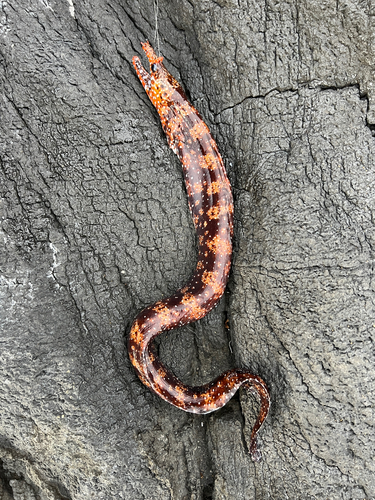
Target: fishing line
156,36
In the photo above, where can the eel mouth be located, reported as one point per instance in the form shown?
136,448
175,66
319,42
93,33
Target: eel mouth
150,53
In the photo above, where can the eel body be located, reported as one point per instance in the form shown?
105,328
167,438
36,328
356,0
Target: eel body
211,205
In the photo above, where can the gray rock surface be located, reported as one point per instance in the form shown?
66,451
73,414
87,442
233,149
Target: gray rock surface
95,226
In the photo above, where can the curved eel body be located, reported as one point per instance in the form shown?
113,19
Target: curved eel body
211,205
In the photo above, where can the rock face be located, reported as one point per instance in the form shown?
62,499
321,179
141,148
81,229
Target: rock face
95,226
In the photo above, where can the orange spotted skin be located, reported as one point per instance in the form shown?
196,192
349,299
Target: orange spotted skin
211,205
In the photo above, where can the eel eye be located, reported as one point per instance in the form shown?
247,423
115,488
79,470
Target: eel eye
153,68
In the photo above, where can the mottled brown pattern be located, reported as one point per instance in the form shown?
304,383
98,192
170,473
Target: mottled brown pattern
211,206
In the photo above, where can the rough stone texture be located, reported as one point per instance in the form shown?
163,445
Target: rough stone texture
95,226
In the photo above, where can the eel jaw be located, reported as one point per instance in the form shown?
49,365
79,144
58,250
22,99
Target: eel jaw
143,76
150,53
